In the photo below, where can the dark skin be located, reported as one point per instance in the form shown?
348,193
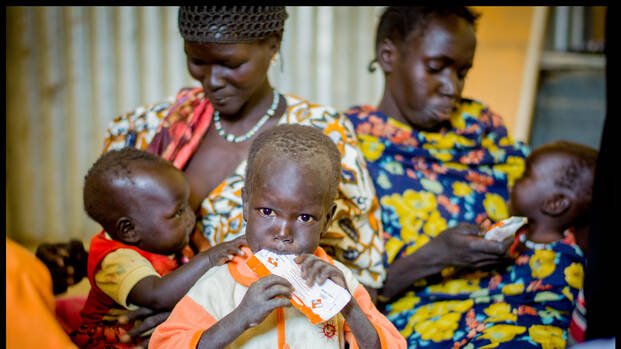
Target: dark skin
158,219
286,213
154,214
550,209
425,77
234,78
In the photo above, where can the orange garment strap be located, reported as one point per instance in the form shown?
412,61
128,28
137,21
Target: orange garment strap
280,324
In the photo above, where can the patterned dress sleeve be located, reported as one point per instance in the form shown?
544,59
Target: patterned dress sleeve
355,236
136,128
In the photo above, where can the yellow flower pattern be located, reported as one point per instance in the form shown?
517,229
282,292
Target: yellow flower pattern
440,329
501,333
495,207
461,189
514,167
574,275
549,337
456,286
542,263
444,315
427,182
500,312
370,147
513,289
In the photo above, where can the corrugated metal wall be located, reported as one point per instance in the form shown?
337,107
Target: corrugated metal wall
71,70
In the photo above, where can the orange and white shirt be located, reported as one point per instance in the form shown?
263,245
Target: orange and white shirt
221,290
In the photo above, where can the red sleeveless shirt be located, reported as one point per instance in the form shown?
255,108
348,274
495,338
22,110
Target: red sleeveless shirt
98,304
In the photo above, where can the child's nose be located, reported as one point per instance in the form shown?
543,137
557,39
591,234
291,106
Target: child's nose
284,232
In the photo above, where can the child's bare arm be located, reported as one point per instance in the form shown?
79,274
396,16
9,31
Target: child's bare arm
317,270
163,293
263,296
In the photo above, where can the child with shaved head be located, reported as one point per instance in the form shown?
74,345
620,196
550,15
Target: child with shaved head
292,176
141,202
555,192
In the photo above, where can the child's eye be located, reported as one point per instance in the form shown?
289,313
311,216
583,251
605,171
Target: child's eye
266,211
306,218
179,212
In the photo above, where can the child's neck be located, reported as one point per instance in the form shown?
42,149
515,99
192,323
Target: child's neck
543,233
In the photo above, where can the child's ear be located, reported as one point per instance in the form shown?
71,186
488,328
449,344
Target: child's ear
328,221
126,232
556,204
387,55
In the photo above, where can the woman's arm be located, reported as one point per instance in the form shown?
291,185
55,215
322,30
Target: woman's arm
459,246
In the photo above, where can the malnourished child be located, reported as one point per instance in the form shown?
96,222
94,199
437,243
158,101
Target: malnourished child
292,177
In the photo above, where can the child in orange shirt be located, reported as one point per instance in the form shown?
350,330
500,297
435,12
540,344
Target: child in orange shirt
292,178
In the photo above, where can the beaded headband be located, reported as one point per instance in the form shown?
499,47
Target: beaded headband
230,24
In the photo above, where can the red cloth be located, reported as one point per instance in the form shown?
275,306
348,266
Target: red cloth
178,138
68,312
95,332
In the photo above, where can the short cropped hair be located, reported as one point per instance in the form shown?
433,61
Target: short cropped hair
112,165
299,143
398,22
579,174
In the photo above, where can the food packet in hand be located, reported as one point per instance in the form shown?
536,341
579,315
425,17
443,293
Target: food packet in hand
318,302
505,228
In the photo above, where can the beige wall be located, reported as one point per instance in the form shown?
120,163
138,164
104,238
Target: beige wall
500,75
70,70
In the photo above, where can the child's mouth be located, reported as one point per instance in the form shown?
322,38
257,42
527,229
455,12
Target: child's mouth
281,250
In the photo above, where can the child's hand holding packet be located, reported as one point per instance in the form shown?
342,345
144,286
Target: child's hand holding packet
318,302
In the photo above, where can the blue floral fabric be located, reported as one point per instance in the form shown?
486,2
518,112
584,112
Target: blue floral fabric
427,182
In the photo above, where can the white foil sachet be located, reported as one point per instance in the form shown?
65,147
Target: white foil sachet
505,228
318,303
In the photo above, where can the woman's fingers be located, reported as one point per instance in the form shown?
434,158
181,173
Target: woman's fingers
490,247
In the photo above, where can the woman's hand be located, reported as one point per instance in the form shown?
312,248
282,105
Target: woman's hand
150,320
262,297
460,246
317,270
65,261
464,246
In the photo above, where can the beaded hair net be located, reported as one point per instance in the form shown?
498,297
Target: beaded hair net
230,24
